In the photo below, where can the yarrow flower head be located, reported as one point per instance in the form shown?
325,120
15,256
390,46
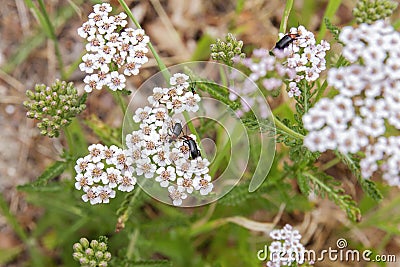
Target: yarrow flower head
92,254
302,59
368,103
227,50
367,11
161,153
103,171
287,243
305,56
113,51
54,106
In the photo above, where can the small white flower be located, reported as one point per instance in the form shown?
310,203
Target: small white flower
134,139
87,29
184,166
120,19
150,146
136,153
165,175
119,60
179,80
102,9
140,37
145,167
95,17
96,172
117,81
191,101
107,51
91,195
82,181
128,35
139,54
142,114
106,25
159,95
131,67
104,194
92,82
315,141
203,184
88,65
109,153
177,195
103,79
122,160
160,158
293,90
113,177
158,116
200,165
96,152
127,182
82,164
186,183
95,43
176,104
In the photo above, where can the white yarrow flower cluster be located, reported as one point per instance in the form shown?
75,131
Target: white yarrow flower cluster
113,51
286,249
103,171
368,102
158,153
267,71
305,57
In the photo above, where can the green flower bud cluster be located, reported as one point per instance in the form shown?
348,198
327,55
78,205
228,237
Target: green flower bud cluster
368,11
54,106
92,254
226,50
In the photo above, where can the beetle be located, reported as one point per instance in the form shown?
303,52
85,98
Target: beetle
194,150
286,40
176,131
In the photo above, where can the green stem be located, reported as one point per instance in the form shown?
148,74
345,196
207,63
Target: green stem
128,211
161,66
222,154
120,101
12,221
53,38
131,246
330,164
160,63
286,13
207,227
305,97
321,91
71,68
70,140
192,129
330,11
286,129
320,183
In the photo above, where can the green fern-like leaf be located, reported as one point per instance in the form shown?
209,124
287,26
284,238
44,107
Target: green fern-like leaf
327,186
303,183
368,186
53,171
333,29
